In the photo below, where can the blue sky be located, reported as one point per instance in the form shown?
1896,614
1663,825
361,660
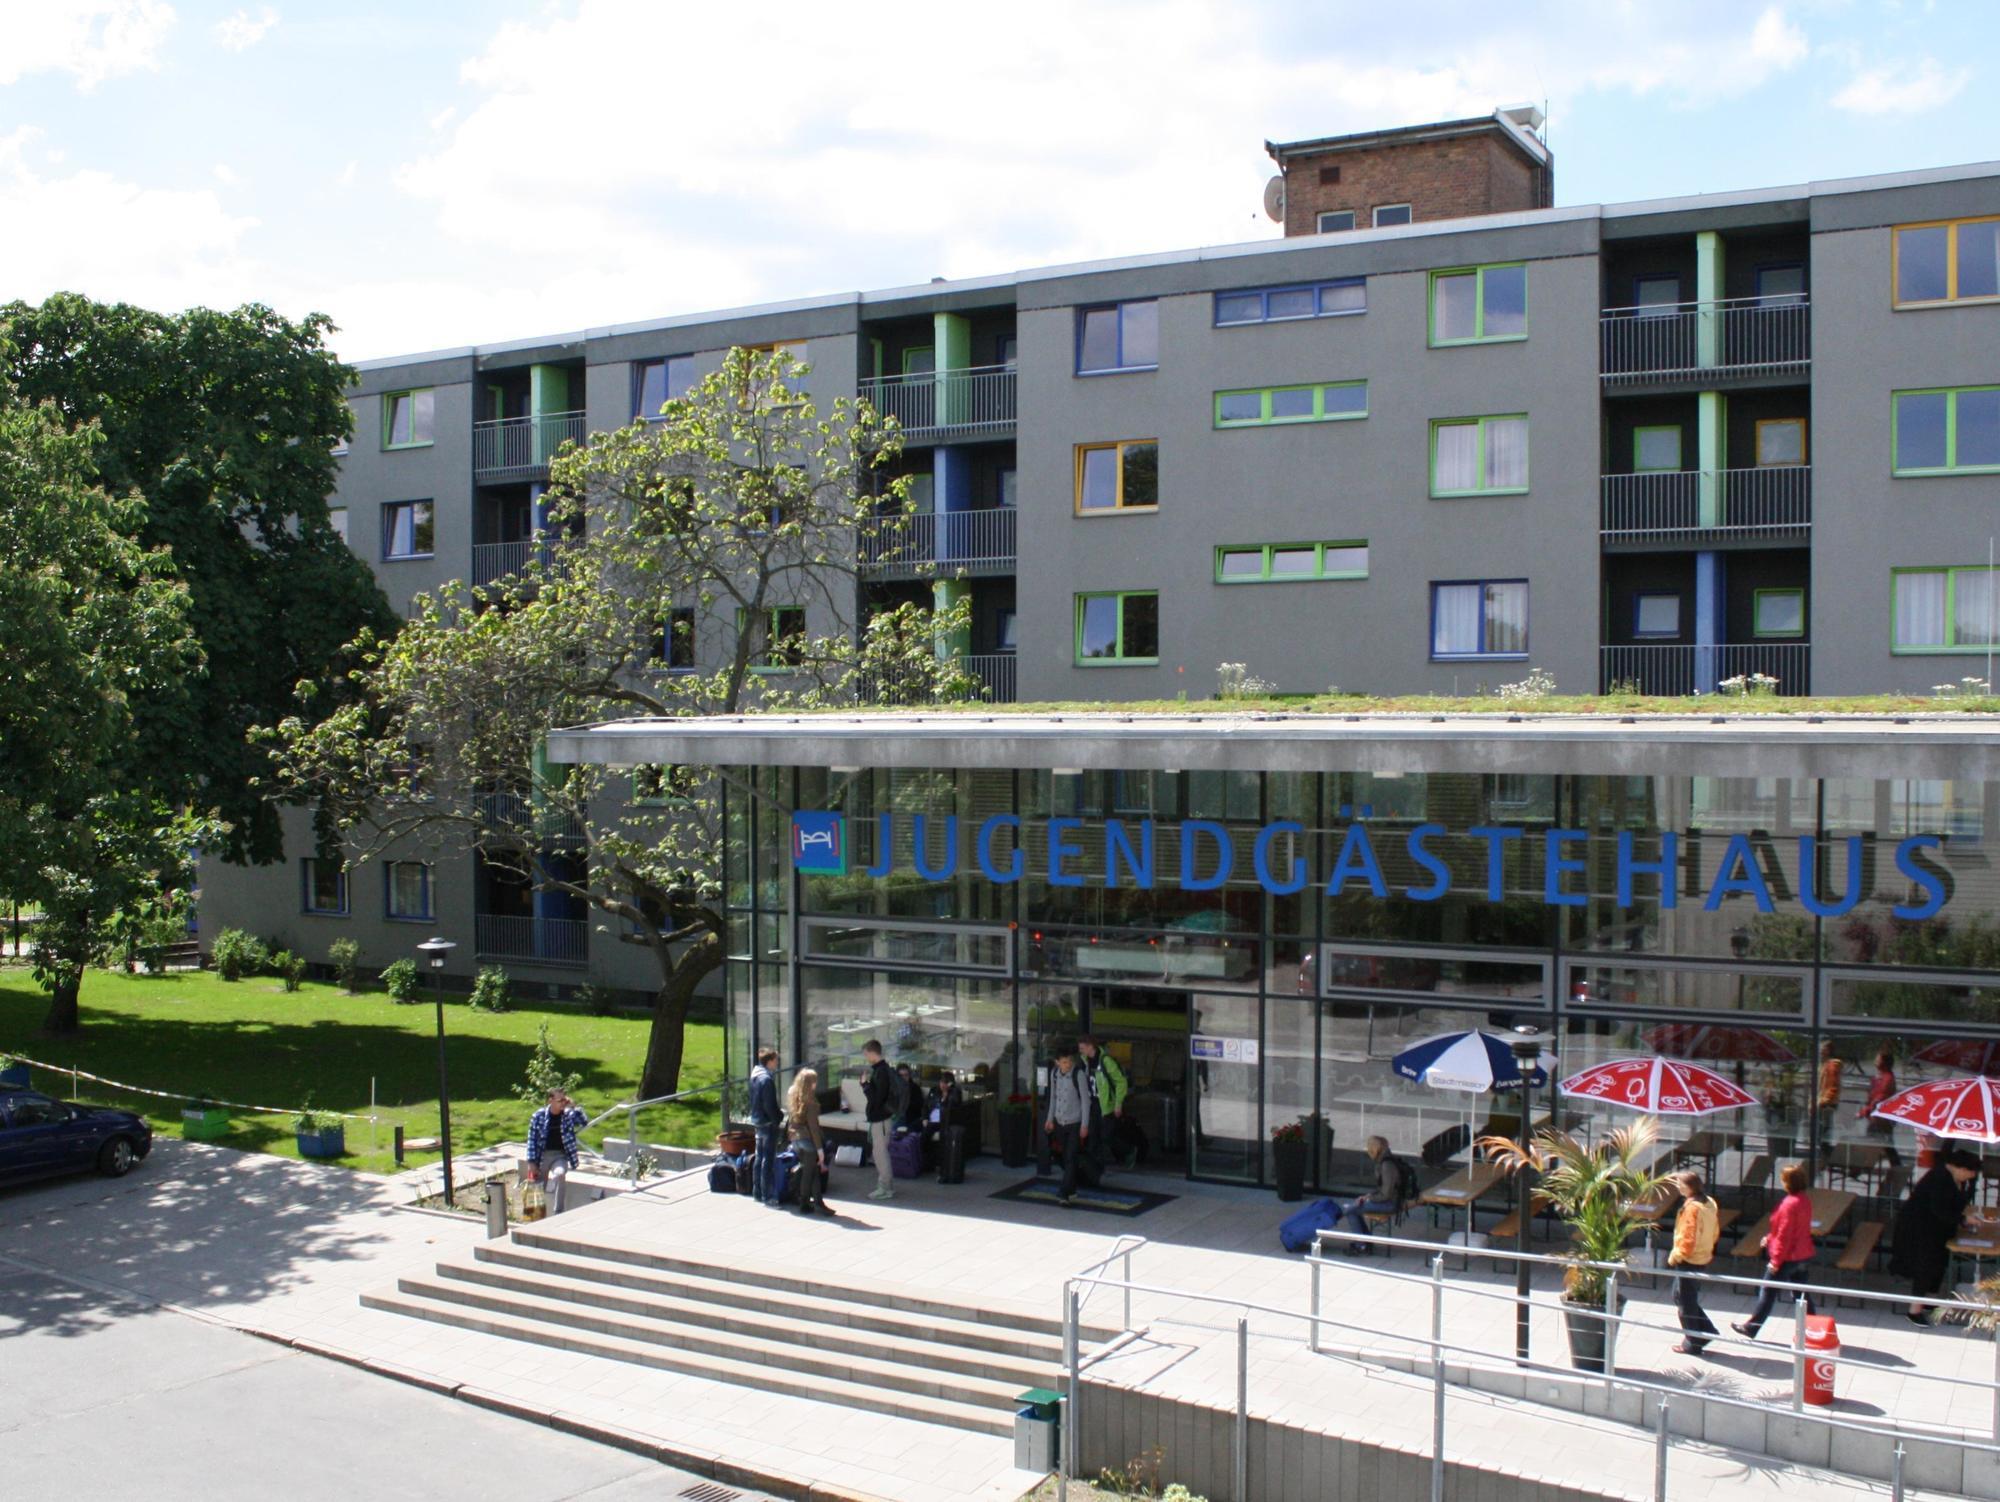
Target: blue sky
437,174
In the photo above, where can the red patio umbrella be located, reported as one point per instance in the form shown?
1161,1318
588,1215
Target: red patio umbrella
1964,1110
1974,1055
1659,1086
1705,1040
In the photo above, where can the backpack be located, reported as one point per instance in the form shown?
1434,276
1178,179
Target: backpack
1406,1180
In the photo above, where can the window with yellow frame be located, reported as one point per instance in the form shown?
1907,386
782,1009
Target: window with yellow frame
1947,261
1781,441
1115,477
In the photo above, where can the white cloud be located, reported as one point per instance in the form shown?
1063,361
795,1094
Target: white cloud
226,175
347,174
1902,88
444,117
242,31
92,40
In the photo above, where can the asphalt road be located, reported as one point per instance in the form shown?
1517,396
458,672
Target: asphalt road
101,1398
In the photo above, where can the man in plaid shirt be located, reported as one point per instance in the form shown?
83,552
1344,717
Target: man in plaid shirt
552,1145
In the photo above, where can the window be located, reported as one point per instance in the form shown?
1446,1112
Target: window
784,640
1117,628
1656,615
1332,220
1118,476
1274,404
657,382
1948,432
1006,634
1010,351
1781,440
1008,488
1118,336
920,360
1277,563
407,891
407,530
677,641
1781,286
657,786
1479,303
1480,618
322,886
1949,262
1479,456
1945,609
1656,449
336,517
1656,296
1278,304
407,418
1387,214
1778,612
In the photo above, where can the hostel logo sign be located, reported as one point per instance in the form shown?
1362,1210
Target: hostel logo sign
819,843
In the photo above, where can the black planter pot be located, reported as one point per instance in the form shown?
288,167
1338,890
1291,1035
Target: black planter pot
1288,1163
1587,1329
1014,1129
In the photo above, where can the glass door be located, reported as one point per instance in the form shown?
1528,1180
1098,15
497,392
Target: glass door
1146,1031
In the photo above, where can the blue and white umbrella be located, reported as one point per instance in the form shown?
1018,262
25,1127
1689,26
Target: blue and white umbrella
1467,1061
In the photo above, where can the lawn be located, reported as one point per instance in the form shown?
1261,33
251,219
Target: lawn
193,1034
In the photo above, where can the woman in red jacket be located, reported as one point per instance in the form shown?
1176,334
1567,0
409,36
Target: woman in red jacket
1788,1249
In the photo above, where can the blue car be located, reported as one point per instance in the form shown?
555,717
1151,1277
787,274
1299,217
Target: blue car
41,1137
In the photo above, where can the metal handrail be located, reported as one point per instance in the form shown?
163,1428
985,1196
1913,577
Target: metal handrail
1118,1250
632,1108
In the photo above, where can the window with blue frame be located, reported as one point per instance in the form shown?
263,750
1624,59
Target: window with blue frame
676,646
657,382
1479,618
407,529
406,891
322,886
1281,304
1118,336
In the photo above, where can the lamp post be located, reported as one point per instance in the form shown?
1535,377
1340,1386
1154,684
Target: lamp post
435,950
1526,1045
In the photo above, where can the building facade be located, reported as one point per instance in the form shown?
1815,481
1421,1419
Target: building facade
1661,444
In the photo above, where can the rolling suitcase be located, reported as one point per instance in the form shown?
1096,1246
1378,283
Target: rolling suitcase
906,1156
722,1176
951,1155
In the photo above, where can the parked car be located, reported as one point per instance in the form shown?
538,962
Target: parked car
41,1137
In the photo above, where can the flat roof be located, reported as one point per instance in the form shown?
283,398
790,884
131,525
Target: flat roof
1941,746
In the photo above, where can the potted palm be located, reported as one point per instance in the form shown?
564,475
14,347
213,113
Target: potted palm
1288,1158
1595,1189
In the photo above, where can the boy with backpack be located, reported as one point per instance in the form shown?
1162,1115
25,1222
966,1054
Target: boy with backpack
1104,1087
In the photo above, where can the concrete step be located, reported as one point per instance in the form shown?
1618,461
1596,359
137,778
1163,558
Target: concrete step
518,1322
796,1309
736,1328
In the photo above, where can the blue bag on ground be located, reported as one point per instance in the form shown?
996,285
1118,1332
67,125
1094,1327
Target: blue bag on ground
906,1156
787,1175
1295,1232
722,1175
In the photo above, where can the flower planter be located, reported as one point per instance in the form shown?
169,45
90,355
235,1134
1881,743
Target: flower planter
1288,1163
327,1142
204,1124
1587,1329
14,1076
1014,1133
736,1142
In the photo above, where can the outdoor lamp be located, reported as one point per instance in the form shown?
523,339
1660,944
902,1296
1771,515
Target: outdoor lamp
1526,1046
436,950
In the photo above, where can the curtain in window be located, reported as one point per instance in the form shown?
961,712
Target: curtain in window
1507,453
1457,457
402,531
1455,620
1973,608
1920,610
1506,617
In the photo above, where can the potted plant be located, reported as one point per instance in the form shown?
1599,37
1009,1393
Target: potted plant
204,1121
1288,1158
13,1072
1594,1189
322,1134
1015,1129
1781,1104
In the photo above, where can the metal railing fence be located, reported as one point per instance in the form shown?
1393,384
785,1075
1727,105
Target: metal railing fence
1772,503
502,444
1694,341
1671,670
933,404
929,542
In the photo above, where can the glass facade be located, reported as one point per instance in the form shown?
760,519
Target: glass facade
1257,947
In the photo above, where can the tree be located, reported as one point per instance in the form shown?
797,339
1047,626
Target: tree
96,631
701,563
225,424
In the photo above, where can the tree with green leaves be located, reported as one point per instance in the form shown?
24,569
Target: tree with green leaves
700,563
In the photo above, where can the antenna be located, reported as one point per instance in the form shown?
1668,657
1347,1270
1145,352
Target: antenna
1274,198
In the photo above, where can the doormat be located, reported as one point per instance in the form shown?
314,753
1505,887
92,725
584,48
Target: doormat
1126,1202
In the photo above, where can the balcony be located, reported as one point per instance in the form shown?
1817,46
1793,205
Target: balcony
994,672
927,543
1749,507
947,405
562,942
1741,340
1673,671
508,449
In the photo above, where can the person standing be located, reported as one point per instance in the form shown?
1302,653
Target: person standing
1881,1085
1068,1124
1925,1224
1788,1249
552,1150
1695,1230
1830,1067
768,1118
878,1088
1105,1089
808,1141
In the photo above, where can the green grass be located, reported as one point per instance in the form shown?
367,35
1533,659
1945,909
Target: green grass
196,1035
1482,704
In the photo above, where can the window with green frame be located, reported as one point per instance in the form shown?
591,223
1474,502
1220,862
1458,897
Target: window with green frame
1121,628
408,418
1280,562
1944,609
1327,401
1777,612
1947,431
1656,448
783,646
1479,455
1479,304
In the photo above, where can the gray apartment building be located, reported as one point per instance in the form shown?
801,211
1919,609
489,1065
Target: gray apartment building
1666,444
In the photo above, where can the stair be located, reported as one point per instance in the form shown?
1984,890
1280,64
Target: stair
883,1348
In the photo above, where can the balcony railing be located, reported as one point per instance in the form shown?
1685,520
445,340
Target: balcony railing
496,560
930,542
994,672
521,447
1672,671
1772,504
935,405
1682,343
543,941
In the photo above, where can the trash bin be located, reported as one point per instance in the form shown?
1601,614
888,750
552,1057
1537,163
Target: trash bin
1037,1430
1822,1349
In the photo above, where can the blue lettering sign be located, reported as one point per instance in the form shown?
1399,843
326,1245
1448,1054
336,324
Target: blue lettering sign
1555,863
1737,856
1357,858
1423,857
1923,876
1629,866
1225,855
1016,862
1496,840
1060,849
1260,855
1809,878
1117,844
920,849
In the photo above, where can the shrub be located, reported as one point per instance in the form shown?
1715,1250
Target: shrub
595,1000
403,981
544,1073
1537,685
489,989
156,935
289,968
345,957
1234,680
311,1119
237,954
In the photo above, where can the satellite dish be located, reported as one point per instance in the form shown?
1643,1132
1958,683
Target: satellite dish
1274,198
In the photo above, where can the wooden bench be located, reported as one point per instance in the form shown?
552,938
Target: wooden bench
1757,1176
1860,1247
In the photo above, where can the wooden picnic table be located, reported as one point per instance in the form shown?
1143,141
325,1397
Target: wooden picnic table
1708,1145
1857,1159
1829,1209
1463,1189
1976,1244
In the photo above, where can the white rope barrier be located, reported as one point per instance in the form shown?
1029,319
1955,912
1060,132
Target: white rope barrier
233,1105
